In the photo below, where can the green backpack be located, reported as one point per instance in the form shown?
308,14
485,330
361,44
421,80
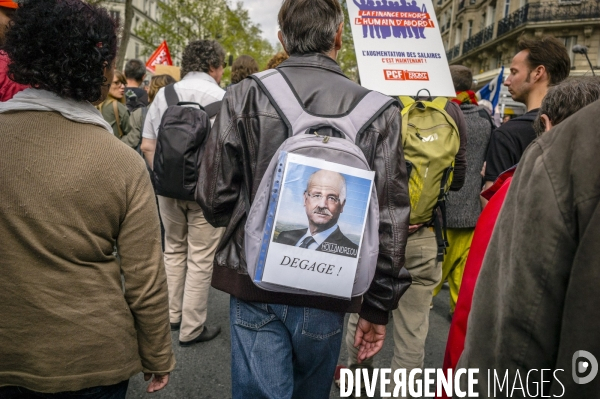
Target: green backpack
430,140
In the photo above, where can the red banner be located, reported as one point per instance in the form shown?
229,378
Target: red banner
161,56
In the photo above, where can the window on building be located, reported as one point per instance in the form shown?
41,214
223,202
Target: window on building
506,8
145,6
470,29
137,22
458,35
137,50
490,14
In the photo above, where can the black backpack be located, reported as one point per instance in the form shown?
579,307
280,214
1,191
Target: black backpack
181,135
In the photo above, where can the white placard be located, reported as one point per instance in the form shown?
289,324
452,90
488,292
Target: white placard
399,48
334,205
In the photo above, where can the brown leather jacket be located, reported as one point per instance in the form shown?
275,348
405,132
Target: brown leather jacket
245,136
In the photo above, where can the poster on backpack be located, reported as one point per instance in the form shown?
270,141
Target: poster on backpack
399,47
319,224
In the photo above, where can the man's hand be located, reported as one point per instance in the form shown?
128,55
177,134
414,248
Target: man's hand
158,381
368,338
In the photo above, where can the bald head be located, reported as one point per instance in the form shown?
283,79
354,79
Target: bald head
327,176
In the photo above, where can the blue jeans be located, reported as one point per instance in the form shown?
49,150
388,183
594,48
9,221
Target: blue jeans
117,391
280,351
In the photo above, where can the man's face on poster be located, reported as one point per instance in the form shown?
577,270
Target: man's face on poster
324,199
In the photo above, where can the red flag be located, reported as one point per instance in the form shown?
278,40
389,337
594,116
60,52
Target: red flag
161,56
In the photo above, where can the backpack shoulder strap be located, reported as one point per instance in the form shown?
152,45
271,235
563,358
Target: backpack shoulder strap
406,103
117,118
213,109
486,115
290,108
367,110
440,102
280,94
171,95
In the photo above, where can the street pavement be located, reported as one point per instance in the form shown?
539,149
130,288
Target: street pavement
203,370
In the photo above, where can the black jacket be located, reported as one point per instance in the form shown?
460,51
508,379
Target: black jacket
245,136
337,243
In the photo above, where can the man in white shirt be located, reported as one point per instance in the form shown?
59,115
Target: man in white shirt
190,241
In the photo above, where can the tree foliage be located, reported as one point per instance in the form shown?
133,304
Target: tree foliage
346,56
181,21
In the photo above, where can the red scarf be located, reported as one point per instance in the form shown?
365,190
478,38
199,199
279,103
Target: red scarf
465,97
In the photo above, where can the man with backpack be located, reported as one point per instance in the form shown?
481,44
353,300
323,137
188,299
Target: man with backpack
463,207
434,144
137,102
176,127
539,64
135,72
287,344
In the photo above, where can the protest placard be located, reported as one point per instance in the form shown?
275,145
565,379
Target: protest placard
399,48
318,227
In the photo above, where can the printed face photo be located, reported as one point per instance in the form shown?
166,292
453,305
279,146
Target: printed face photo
317,213
324,199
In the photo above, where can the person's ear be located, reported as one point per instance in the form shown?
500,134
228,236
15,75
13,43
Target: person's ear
539,73
547,123
280,37
338,37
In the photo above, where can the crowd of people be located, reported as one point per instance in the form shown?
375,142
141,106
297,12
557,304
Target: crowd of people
100,266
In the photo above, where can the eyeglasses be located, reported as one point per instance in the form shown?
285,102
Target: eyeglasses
118,83
331,199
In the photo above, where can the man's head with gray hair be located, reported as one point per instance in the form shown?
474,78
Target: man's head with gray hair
310,26
203,56
324,199
564,99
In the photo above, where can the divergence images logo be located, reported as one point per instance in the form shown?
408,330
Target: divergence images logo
584,362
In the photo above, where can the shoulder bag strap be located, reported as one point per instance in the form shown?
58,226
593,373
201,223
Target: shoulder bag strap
213,109
116,111
171,95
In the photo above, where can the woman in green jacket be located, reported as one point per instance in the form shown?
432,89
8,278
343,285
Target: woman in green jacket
113,109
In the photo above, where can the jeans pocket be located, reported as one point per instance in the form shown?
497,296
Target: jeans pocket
322,324
253,315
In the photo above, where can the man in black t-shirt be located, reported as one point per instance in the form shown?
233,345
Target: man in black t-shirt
539,64
135,72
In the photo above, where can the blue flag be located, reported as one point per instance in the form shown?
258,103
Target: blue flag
491,91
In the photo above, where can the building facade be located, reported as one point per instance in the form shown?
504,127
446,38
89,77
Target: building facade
143,11
483,34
